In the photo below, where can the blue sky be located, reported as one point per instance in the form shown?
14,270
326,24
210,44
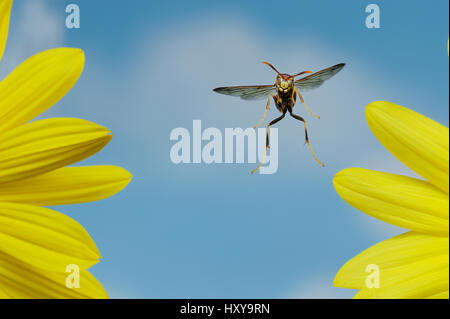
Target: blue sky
215,231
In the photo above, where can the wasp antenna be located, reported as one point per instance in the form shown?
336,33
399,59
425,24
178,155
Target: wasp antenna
304,72
267,63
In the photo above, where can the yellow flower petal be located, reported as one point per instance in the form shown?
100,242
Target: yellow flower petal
42,146
422,279
419,142
399,200
3,294
21,281
69,185
37,84
411,252
44,238
441,295
5,11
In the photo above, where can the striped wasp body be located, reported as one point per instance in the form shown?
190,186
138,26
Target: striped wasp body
284,93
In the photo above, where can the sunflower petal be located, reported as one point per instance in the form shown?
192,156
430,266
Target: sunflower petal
46,145
399,200
422,279
419,142
400,252
23,281
3,294
5,12
441,295
44,238
37,84
69,185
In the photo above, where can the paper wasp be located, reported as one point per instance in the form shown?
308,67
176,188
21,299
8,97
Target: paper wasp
284,93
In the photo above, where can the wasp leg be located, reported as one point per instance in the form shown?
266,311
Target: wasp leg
303,102
306,137
267,140
265,112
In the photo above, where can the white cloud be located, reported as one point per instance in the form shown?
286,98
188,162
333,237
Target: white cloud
34,27
317,287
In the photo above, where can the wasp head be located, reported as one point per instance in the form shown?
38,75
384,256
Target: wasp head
284,83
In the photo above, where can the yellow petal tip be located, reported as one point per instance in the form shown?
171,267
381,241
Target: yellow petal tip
345,173
378,106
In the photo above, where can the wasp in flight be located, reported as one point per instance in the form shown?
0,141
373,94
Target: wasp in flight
284,93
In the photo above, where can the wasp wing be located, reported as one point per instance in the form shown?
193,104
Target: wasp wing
315,80
250,93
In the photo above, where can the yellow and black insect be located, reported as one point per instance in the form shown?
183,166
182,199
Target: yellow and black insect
284,93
